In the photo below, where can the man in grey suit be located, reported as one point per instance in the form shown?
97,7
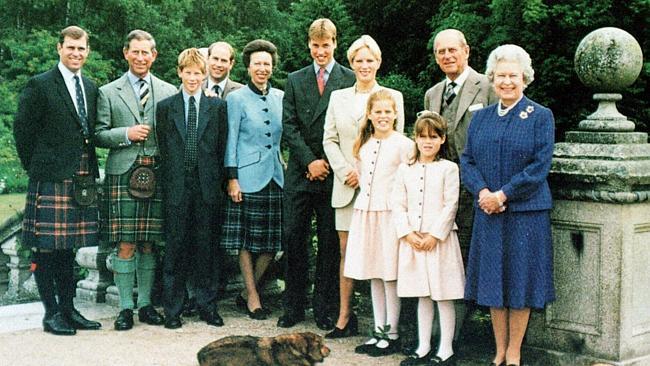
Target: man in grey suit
221,59
308,188
126,124
461,93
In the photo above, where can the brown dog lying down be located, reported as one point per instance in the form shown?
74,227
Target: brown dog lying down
293,349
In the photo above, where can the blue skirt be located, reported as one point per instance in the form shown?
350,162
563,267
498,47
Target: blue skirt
511,260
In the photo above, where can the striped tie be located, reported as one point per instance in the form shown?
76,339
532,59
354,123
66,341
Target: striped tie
144,92
449,94
81,105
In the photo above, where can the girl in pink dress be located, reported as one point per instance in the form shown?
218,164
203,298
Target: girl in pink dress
372,249
430,266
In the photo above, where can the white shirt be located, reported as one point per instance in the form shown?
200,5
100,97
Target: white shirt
460,80
68,78
221,84
186,103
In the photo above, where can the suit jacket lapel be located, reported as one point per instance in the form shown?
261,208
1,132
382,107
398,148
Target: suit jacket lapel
468,93
126,93
152,99
436,103
204,105
178,114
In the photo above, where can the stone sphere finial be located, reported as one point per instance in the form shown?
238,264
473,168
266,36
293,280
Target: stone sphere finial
608,60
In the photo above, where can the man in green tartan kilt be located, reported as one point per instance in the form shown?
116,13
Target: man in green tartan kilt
126,124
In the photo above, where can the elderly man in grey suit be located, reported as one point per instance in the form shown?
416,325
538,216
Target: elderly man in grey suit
126,124
221,59
462,92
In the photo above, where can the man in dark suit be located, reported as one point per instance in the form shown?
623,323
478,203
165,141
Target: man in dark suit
191,131
53,129
308,189
221,59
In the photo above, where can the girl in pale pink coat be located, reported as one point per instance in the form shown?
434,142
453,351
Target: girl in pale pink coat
430,266
372,248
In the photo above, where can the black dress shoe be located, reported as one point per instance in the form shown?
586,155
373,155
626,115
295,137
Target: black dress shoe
413,359
394,346
77,321
290,318
364,348
124,320
450,361
56,324
212,318
258,314
350,329
189,308
324,322
149,315
173,322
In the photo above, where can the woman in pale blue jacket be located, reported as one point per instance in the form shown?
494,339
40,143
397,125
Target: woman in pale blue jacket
253,222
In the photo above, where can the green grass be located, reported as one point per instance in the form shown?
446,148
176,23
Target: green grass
10,204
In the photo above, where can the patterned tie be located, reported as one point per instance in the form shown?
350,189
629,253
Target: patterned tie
449,94
320,80
190,143
144,92
217,90
81,106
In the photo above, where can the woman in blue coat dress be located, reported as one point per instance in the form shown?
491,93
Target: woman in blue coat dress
505,164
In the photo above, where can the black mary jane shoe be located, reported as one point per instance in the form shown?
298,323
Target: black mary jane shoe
258,314
351,329
413,359
394,346
363,349
450,361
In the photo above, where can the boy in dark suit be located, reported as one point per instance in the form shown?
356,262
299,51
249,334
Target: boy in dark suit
191,131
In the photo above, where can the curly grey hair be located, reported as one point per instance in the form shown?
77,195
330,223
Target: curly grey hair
510,53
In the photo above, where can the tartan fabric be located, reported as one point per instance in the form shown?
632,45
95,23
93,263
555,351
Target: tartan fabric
255,224
128,219
52,218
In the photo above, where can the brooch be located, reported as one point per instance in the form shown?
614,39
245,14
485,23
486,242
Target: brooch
523,115
530,109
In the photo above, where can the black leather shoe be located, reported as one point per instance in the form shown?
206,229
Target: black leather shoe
56,324
77,321
149,315
189,308
414,360
350,329
258,314
290,318
450,361
364,348
324,322
394,346
212,318
124,320
173,322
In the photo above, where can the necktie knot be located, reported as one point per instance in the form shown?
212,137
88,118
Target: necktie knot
217,90
320,80
144,91
450,94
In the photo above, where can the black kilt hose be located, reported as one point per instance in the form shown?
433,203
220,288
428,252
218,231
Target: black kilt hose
130,219
255,224
53,220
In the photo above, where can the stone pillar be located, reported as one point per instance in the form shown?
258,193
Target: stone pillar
600,179
93,287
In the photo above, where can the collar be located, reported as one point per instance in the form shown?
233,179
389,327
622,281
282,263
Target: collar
66,73
503,111
459,80
328,67
222,84
256,90
135,79
186,95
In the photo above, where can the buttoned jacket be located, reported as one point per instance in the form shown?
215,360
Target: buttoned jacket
416,198
341,128
47,129
379,160
117,110
231,86
512,153
254,133
303,118
476,93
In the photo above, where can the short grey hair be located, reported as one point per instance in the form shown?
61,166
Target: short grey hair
367,42
510,53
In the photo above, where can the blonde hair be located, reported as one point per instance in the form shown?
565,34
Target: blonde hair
426,123
191,57
367,42
367,129
322,28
